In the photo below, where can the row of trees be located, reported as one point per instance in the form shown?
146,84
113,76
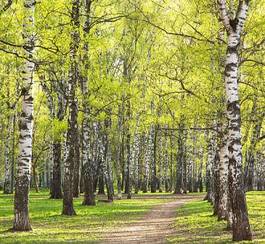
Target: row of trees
135,97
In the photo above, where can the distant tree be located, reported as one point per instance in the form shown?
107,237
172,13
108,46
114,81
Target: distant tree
71,140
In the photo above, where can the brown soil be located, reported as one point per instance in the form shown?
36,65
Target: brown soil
155,227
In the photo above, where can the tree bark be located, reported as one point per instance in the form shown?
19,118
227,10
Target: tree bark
216,181
13,153
35,177
234,27
56,144
154,162
76,179
149,154
68,208
106,158
56,190
8,166
21,219
128,165
101,190
136,159
223,174
209,169
119,154
180,160
251,157
200,180
89,196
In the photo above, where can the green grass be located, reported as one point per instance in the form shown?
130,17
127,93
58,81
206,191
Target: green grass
50,227
195,223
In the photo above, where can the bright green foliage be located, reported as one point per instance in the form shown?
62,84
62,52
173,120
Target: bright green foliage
175,60
175,64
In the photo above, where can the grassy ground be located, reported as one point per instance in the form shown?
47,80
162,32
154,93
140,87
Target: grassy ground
195,223
50,227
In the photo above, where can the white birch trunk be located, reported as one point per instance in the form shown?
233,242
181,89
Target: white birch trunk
89,198
209,169
223,174
234,27
21,220
146,164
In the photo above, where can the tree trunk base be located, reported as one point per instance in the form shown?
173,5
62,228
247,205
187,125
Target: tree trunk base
241,233
21,224
21,229
69,212
105,201
110,199
89,201
56,197
76,195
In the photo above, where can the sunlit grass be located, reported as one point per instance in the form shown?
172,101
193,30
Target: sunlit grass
87,227
195,223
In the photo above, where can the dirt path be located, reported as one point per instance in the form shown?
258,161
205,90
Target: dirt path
154,227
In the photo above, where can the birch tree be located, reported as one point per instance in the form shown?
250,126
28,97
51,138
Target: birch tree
251,154
86,155
21,208
234,27
181,157
68,208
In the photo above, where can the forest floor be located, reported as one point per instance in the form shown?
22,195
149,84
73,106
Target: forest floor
153,217
89,226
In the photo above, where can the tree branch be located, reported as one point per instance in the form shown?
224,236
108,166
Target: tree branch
241,14
224,16
261,138
6,7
